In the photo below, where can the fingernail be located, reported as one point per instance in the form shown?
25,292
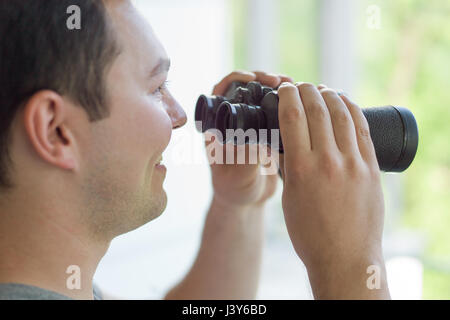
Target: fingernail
285,84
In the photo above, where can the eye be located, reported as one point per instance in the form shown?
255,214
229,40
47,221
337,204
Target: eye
162,87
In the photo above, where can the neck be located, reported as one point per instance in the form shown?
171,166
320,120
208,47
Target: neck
43,243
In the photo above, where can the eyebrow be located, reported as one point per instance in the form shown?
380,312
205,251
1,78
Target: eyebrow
162,66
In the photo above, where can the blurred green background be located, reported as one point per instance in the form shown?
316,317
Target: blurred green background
405,62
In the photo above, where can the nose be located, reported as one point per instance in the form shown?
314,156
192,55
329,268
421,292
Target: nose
176,113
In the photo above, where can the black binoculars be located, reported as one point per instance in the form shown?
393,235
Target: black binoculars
393,130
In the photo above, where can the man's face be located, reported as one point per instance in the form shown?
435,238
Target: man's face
123,183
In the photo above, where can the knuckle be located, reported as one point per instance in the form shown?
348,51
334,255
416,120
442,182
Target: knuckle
363,133
359,170
317,111
356,168
292,114
330,164
341,117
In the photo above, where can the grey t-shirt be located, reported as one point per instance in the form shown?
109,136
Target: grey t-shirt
16,291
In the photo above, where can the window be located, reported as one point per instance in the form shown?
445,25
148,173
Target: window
379,51
145,263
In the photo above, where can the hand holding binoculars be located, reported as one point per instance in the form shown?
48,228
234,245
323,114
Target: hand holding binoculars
393,129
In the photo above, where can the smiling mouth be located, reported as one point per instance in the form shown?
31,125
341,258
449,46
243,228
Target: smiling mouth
160,166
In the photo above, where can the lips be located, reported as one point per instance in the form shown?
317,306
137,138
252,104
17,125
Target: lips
159,166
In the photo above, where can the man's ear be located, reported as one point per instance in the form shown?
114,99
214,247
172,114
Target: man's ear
45,120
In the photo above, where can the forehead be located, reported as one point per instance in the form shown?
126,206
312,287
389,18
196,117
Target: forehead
134,34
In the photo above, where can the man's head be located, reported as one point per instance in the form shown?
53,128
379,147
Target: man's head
84,115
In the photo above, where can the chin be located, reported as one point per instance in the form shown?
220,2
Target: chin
156,207
162,204
145,213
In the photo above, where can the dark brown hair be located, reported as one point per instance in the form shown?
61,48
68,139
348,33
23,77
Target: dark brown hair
39,52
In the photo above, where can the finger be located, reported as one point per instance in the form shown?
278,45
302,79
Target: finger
321,86
293,125
241,76
285,78
362,131
343,126
270,80
319,121
209,137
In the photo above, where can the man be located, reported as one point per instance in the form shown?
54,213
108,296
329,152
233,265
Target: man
85,117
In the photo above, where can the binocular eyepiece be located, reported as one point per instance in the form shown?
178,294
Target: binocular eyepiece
253,107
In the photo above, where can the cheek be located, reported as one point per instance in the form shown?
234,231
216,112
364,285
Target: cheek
153,129
130,141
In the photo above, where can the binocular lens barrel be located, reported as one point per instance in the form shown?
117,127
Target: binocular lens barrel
393,130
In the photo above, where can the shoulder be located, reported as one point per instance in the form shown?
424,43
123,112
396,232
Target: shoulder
16,291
